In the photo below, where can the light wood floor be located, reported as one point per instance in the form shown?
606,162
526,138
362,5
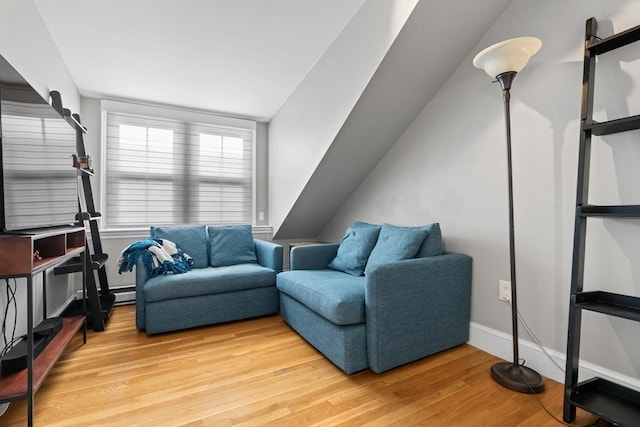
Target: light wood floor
259,372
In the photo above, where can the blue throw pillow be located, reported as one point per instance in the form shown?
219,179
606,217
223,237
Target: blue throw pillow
231,245
396,244
432,245
360,224
192,239
355,247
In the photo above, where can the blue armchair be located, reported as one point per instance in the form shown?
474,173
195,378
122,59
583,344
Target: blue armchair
397,312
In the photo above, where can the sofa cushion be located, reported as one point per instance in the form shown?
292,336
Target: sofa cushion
336,296
395,244
355,247
208,280
231,245
432,245
192,239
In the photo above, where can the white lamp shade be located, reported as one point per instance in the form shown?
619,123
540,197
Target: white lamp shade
509,55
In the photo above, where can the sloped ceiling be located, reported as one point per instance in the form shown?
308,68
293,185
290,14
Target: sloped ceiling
435,39
241,58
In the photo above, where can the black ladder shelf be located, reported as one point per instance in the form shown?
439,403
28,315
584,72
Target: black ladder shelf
100,303
612,402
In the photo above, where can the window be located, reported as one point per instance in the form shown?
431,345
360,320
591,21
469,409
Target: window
162,171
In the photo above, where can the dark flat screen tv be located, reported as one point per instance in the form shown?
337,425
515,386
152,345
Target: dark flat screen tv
39,184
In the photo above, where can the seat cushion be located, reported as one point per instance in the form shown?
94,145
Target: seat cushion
192,239
336,296
209,280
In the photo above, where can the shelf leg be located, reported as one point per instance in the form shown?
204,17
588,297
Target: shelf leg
30,351
84,297
44,295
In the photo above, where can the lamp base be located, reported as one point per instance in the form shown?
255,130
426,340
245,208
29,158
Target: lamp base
517,377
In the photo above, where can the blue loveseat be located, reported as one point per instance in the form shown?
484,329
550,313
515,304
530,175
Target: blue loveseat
233,277
384,296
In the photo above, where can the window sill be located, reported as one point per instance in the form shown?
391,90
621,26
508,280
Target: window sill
264,232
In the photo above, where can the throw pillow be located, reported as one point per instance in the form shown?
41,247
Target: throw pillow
355,247
360,224
396,244
192,239
231,245
432,245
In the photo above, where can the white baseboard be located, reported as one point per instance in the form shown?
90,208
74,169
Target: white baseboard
124,297
500,345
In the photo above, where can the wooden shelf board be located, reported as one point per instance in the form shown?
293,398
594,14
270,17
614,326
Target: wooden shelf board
52,262
14,386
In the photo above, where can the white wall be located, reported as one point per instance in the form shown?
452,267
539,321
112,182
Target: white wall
406,79
27,45
305,126
450,166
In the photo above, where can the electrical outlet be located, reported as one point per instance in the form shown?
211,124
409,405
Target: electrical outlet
505,290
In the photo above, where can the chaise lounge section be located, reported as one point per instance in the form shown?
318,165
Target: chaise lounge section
382,308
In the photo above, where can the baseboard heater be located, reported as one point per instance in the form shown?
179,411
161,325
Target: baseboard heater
124,295
16,359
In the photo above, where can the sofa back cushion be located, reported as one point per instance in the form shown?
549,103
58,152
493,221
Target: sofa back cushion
432,245
395,244
231,245
355,247
192,239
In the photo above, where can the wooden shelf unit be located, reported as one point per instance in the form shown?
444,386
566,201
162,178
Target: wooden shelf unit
54,247
15,387
18,249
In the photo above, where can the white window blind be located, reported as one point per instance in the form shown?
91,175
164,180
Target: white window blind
162,171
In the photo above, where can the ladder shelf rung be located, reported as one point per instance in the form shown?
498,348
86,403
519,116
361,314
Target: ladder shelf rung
616,41
623,124
619,211
74,265
624,306
90,216
612,402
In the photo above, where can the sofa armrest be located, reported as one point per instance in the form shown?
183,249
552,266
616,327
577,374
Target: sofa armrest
416,307
269,254
141,278
312,257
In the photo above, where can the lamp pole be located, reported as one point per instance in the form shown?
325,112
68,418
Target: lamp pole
513,375
505,80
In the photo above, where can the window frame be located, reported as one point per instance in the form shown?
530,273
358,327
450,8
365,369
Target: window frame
170,114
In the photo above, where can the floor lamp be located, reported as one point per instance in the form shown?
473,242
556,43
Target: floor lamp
503,61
